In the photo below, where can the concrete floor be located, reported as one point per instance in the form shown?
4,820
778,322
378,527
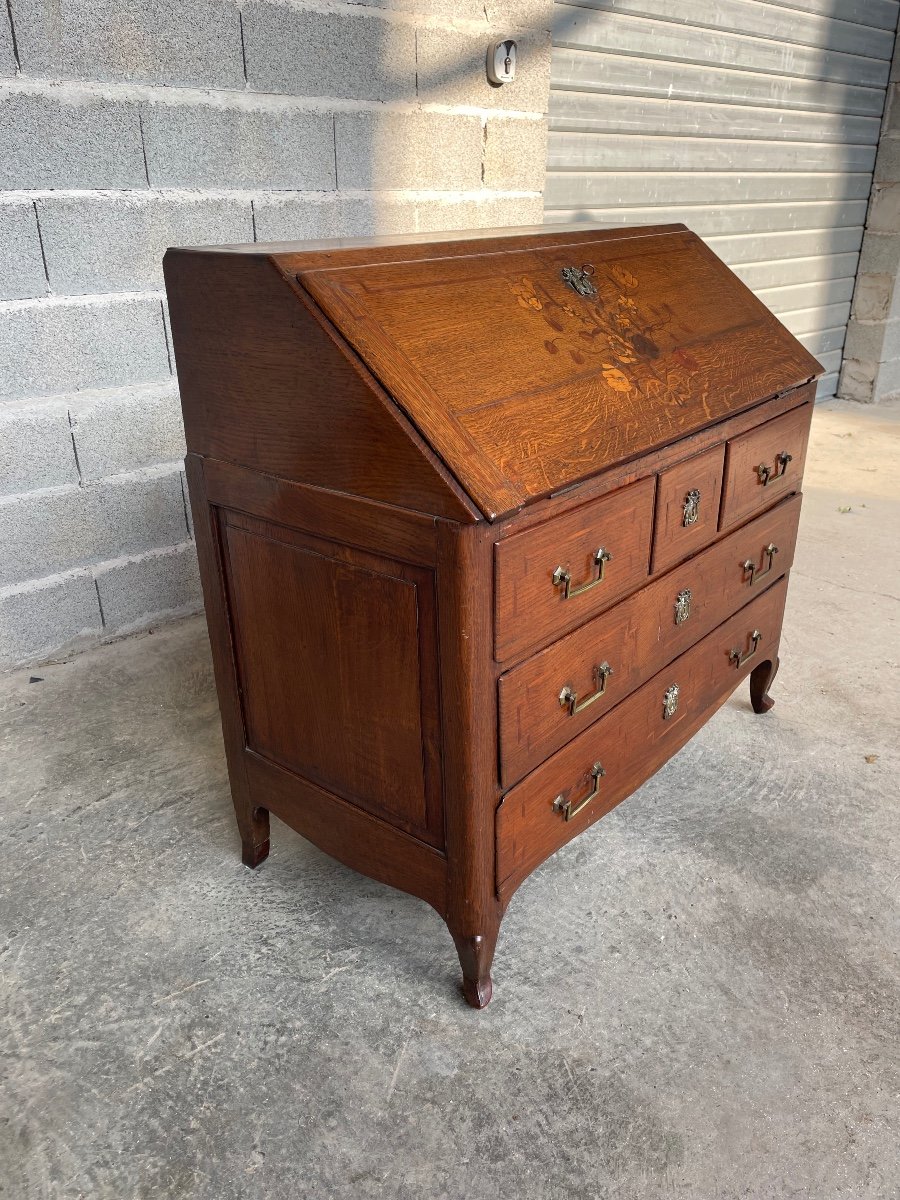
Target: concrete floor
699,998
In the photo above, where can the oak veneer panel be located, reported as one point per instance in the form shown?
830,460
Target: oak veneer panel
267,384
743,492
672,539
530,608
631,742
356,838
337,663
523,386
636,638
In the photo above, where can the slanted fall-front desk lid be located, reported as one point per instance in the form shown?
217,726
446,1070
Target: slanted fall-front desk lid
529,369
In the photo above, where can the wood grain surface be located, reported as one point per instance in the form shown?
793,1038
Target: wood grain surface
530,609
636,638
743,492
631,742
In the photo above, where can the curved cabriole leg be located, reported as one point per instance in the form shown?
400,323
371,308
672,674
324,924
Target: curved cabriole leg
254,830
761,679
476,953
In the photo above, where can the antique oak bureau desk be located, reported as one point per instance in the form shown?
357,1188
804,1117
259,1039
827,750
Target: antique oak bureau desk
489,525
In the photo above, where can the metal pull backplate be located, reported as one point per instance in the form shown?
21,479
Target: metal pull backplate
739,657
570,808
569,698
754,572
768,475
562,578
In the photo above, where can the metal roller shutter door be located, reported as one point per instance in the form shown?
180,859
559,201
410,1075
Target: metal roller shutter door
754,122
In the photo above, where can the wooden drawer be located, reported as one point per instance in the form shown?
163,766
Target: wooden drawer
636,638
624,749
763,465
555,576
687,508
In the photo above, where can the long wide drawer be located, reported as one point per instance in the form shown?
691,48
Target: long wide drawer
555,576
550,698
605,764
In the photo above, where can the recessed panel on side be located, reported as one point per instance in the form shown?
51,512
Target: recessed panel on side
336,657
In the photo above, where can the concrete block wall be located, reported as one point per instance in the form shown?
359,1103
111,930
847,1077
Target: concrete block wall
127,126
871,366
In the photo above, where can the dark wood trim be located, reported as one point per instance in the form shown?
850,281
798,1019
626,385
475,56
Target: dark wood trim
355,838
253,820
379,528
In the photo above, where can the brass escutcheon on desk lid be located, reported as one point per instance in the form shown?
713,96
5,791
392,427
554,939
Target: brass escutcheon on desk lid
670,701
579,279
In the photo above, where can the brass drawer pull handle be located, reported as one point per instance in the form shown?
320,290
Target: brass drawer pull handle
691,508
570,809
754,572
767,475
569,698
739,658
562,578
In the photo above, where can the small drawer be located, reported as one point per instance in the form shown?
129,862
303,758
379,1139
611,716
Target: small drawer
555,694
607,762
765,464
555,576
687,508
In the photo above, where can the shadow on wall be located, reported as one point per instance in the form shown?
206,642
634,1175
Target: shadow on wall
474,156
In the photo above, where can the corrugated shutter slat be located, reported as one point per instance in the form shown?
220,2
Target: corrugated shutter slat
755,122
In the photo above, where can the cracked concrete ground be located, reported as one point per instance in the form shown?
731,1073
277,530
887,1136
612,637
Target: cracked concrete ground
699,998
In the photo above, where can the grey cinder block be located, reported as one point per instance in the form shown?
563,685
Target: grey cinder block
857,381
21,263
472,10
36,449
69,139
452,69
290,218
295,218
116,243
356,55
46,618
887,164
880,254
271,145
7,56
884,208
134,592
48,347
490,212
151,41
126,429
56,529
872,296
865,341
515,153
524,14
408,150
